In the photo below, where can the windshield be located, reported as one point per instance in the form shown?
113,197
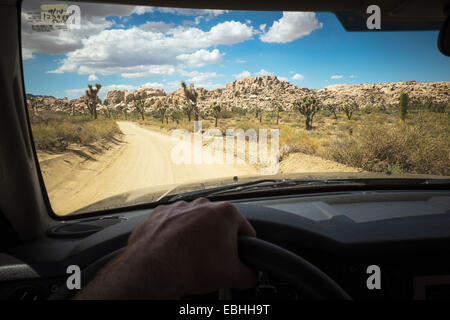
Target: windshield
131,101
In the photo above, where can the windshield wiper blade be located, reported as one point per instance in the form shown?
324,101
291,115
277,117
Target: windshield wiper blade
265,185
187,196
291,184
259,185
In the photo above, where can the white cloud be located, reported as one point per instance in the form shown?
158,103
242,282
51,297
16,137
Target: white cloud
240,61
291,72
199,77
243,74
209,85
192,12
142,71
94,20
156,26
352,76
262,27
297,76
200,57
136,52
92,77
263,72
248,21
152,85
283,79
336,77
291,26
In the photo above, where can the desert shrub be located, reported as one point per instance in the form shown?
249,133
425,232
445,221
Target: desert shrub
418,146
293,140
57,134
226,114
238,110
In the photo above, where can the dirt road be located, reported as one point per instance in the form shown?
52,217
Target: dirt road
142,160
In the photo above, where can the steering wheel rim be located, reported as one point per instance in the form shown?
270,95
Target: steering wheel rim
259,255
262,255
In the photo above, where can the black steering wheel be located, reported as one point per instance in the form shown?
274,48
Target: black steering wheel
259,255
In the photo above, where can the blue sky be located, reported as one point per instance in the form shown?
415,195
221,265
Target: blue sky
127,47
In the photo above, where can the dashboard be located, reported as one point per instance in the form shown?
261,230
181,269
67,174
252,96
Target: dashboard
404,234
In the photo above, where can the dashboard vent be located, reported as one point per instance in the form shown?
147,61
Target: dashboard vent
83,228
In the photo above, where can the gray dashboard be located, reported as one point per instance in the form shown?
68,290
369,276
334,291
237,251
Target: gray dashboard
332,230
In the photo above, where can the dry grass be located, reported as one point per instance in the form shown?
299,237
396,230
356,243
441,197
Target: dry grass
419,145
56,134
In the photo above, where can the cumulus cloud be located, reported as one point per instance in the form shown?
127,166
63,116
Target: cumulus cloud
243,74
263,72
92,77
135,52
192,12
94,20
156,26
291,26
336,77
200,57
199,77
152,85
283,79
297,76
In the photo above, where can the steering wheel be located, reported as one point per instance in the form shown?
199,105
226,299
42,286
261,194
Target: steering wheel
259,255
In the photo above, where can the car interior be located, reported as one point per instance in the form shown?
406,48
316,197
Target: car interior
314,242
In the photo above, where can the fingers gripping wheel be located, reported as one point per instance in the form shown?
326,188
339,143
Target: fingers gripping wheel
259,255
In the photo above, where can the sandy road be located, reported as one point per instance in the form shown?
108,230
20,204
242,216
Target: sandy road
144,160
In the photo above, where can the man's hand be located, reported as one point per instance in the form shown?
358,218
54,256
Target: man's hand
183,248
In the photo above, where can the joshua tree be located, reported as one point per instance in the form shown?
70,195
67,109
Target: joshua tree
215,110
139,107
191,96
307,106
403,105
92,100
188,109
174,114
349,108
162,110
278,107
333,109
258,112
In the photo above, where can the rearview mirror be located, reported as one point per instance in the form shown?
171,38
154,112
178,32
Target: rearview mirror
444,37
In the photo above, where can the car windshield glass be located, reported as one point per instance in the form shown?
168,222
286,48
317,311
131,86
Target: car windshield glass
129,104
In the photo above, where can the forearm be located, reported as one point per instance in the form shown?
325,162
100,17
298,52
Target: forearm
122,279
